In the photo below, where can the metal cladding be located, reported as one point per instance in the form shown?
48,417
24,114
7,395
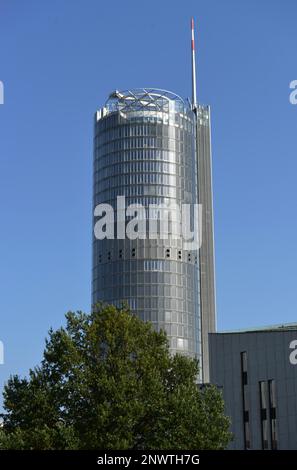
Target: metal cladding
206,252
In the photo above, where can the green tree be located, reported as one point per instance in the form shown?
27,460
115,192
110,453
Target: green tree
107,381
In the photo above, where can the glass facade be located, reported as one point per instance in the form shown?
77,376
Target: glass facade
144,149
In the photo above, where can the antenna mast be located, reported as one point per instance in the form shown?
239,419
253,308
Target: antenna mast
194,95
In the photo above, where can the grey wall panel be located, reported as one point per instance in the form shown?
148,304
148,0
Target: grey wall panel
268,359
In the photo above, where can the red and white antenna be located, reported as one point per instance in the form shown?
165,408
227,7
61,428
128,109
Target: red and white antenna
194,95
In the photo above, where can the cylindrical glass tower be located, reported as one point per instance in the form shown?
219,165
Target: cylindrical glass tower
144,149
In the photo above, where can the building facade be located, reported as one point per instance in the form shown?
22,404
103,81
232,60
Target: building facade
147,144
257,371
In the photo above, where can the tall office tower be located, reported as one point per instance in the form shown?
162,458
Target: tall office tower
152,150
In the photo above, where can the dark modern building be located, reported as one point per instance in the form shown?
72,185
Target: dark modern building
257,371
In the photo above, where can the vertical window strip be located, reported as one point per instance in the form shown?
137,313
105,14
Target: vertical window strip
272,409
264,414
245,401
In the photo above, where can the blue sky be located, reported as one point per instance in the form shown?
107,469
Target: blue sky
58,62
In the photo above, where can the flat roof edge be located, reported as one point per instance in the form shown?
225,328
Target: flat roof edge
263,329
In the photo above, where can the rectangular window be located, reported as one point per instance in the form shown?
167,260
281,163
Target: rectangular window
182,343
168,316
272,407
263,414
153,265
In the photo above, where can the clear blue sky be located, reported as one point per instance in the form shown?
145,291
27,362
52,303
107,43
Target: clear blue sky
58,62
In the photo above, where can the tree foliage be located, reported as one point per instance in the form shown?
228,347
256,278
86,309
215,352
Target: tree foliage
107,381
